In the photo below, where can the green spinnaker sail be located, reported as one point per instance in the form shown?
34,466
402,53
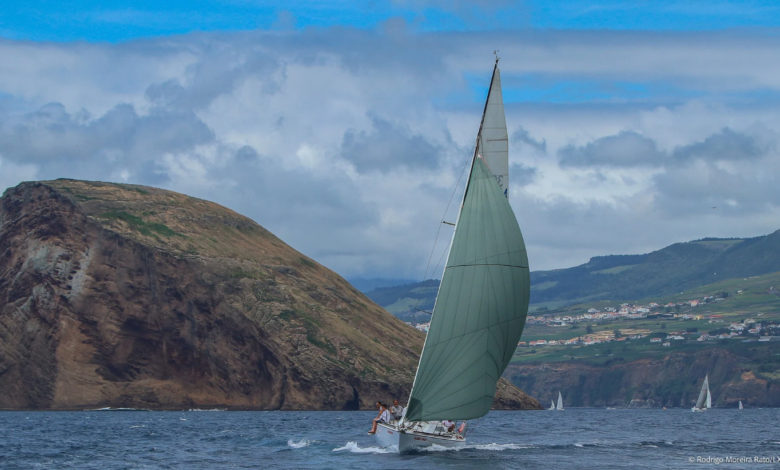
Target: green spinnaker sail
480,309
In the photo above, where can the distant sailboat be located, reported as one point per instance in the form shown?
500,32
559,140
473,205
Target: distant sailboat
559,406
704,402
481,305
552,405
740,404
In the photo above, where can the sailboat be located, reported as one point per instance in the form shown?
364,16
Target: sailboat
552,405
559,405
481,305
740,405
704,402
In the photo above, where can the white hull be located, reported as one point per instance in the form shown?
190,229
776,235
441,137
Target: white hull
388,435
698,410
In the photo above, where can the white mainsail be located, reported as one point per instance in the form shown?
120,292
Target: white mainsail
740,404
552,404
493,139
559,406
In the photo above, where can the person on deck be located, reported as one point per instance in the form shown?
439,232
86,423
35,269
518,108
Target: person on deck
448,425
396,410
382,417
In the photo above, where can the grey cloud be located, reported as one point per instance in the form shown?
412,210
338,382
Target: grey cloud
706,188
725,145
521,175
168,94
523,137
625,149
77,145
388,146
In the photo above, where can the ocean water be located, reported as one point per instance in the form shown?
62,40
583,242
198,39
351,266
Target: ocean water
574,438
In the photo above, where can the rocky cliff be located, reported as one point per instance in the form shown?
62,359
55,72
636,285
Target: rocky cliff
672,381
130,296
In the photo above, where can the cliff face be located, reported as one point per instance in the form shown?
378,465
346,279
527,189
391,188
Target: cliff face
129,296
673,381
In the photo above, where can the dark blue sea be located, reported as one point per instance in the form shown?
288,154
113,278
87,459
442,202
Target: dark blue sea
574,438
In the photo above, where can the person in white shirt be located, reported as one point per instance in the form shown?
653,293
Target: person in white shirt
382,417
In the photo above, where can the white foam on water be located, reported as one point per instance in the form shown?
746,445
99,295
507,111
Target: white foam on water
499,447
353,447
138,426
577,444
438,448
298,444
492,446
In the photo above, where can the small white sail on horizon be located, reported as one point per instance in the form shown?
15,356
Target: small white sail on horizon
552,405
740,404
704,402
559,406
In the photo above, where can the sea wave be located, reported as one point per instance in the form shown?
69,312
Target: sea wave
353,447
108,408
298,444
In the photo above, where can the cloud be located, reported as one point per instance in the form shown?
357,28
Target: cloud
739,189
120,141
522,136
627,148
348,143
725,145
387,146
521,175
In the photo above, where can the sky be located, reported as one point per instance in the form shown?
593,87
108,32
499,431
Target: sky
345,127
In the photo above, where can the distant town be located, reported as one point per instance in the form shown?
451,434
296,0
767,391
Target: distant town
751,328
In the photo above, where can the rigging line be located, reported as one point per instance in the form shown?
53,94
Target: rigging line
441,263
438,229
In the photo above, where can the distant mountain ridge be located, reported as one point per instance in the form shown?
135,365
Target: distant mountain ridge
621,277
671,269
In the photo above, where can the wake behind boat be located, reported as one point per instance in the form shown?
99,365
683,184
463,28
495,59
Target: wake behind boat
481,305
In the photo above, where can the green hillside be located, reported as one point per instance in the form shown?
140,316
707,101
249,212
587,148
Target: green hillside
678,267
